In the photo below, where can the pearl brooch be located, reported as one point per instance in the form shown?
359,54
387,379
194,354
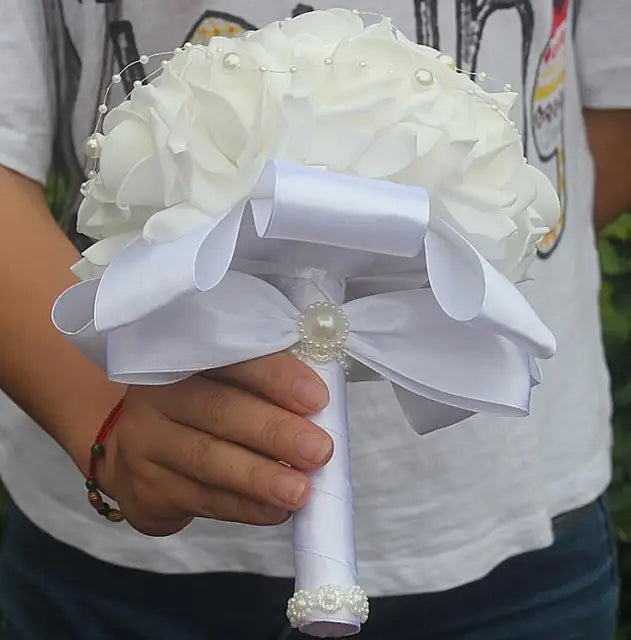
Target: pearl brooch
323,329
232,61
424,77
329,598
356,600
299,608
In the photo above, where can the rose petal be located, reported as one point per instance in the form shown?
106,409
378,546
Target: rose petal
143,185
546,204
390,153
123,148
101,253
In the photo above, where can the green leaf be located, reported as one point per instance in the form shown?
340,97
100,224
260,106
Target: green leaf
615,258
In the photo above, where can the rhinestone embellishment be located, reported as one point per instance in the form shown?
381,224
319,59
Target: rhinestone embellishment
329,598
323,329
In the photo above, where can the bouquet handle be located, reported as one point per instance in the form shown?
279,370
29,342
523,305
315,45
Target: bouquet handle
328,602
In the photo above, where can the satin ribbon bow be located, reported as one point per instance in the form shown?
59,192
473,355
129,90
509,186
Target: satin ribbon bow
446,327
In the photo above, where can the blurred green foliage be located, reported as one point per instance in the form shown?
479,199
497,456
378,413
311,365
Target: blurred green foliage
614,245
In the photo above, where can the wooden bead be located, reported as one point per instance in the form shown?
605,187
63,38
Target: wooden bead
115,516
104,509
95,498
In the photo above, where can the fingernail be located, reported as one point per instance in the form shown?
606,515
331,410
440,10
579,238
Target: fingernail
287,488
313,447
311,393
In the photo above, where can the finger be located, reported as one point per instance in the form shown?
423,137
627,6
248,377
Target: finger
200,500
230,467
233,414
281,378
155,522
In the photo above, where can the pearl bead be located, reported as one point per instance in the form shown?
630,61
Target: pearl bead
92,147
102,108
363,64
495,107
164,64
144,59
137,83
508,87
293,69
447,60
324,324
263,68
92,174
482,76
188,45
424,77
116,78
328,61
232,61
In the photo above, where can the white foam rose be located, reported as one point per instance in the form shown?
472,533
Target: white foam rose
320,89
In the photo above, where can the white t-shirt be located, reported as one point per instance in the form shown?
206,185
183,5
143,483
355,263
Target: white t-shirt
432,512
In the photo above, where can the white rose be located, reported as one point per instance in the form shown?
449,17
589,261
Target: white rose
320,89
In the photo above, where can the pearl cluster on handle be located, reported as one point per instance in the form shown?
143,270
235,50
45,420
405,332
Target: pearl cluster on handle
329,598
323,329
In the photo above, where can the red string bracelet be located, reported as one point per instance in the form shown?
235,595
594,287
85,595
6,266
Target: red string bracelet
96,453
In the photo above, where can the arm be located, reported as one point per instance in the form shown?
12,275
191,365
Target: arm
603,51
609,133
45,375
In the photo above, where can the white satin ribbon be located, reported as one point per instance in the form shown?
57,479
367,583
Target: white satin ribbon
452,334
477,365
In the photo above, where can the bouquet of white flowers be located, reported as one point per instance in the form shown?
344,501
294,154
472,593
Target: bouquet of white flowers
322,185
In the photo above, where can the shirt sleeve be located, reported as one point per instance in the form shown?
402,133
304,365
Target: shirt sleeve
603,47
26,89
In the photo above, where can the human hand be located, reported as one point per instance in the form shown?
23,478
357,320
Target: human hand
210,447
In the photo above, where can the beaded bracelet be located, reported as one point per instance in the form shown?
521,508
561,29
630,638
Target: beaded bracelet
96,453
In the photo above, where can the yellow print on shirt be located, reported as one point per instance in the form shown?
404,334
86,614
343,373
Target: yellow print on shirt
547,114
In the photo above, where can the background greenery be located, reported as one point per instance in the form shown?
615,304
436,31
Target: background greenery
614,245
615,252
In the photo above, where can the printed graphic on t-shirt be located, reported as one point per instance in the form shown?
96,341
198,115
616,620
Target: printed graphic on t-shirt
547,113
